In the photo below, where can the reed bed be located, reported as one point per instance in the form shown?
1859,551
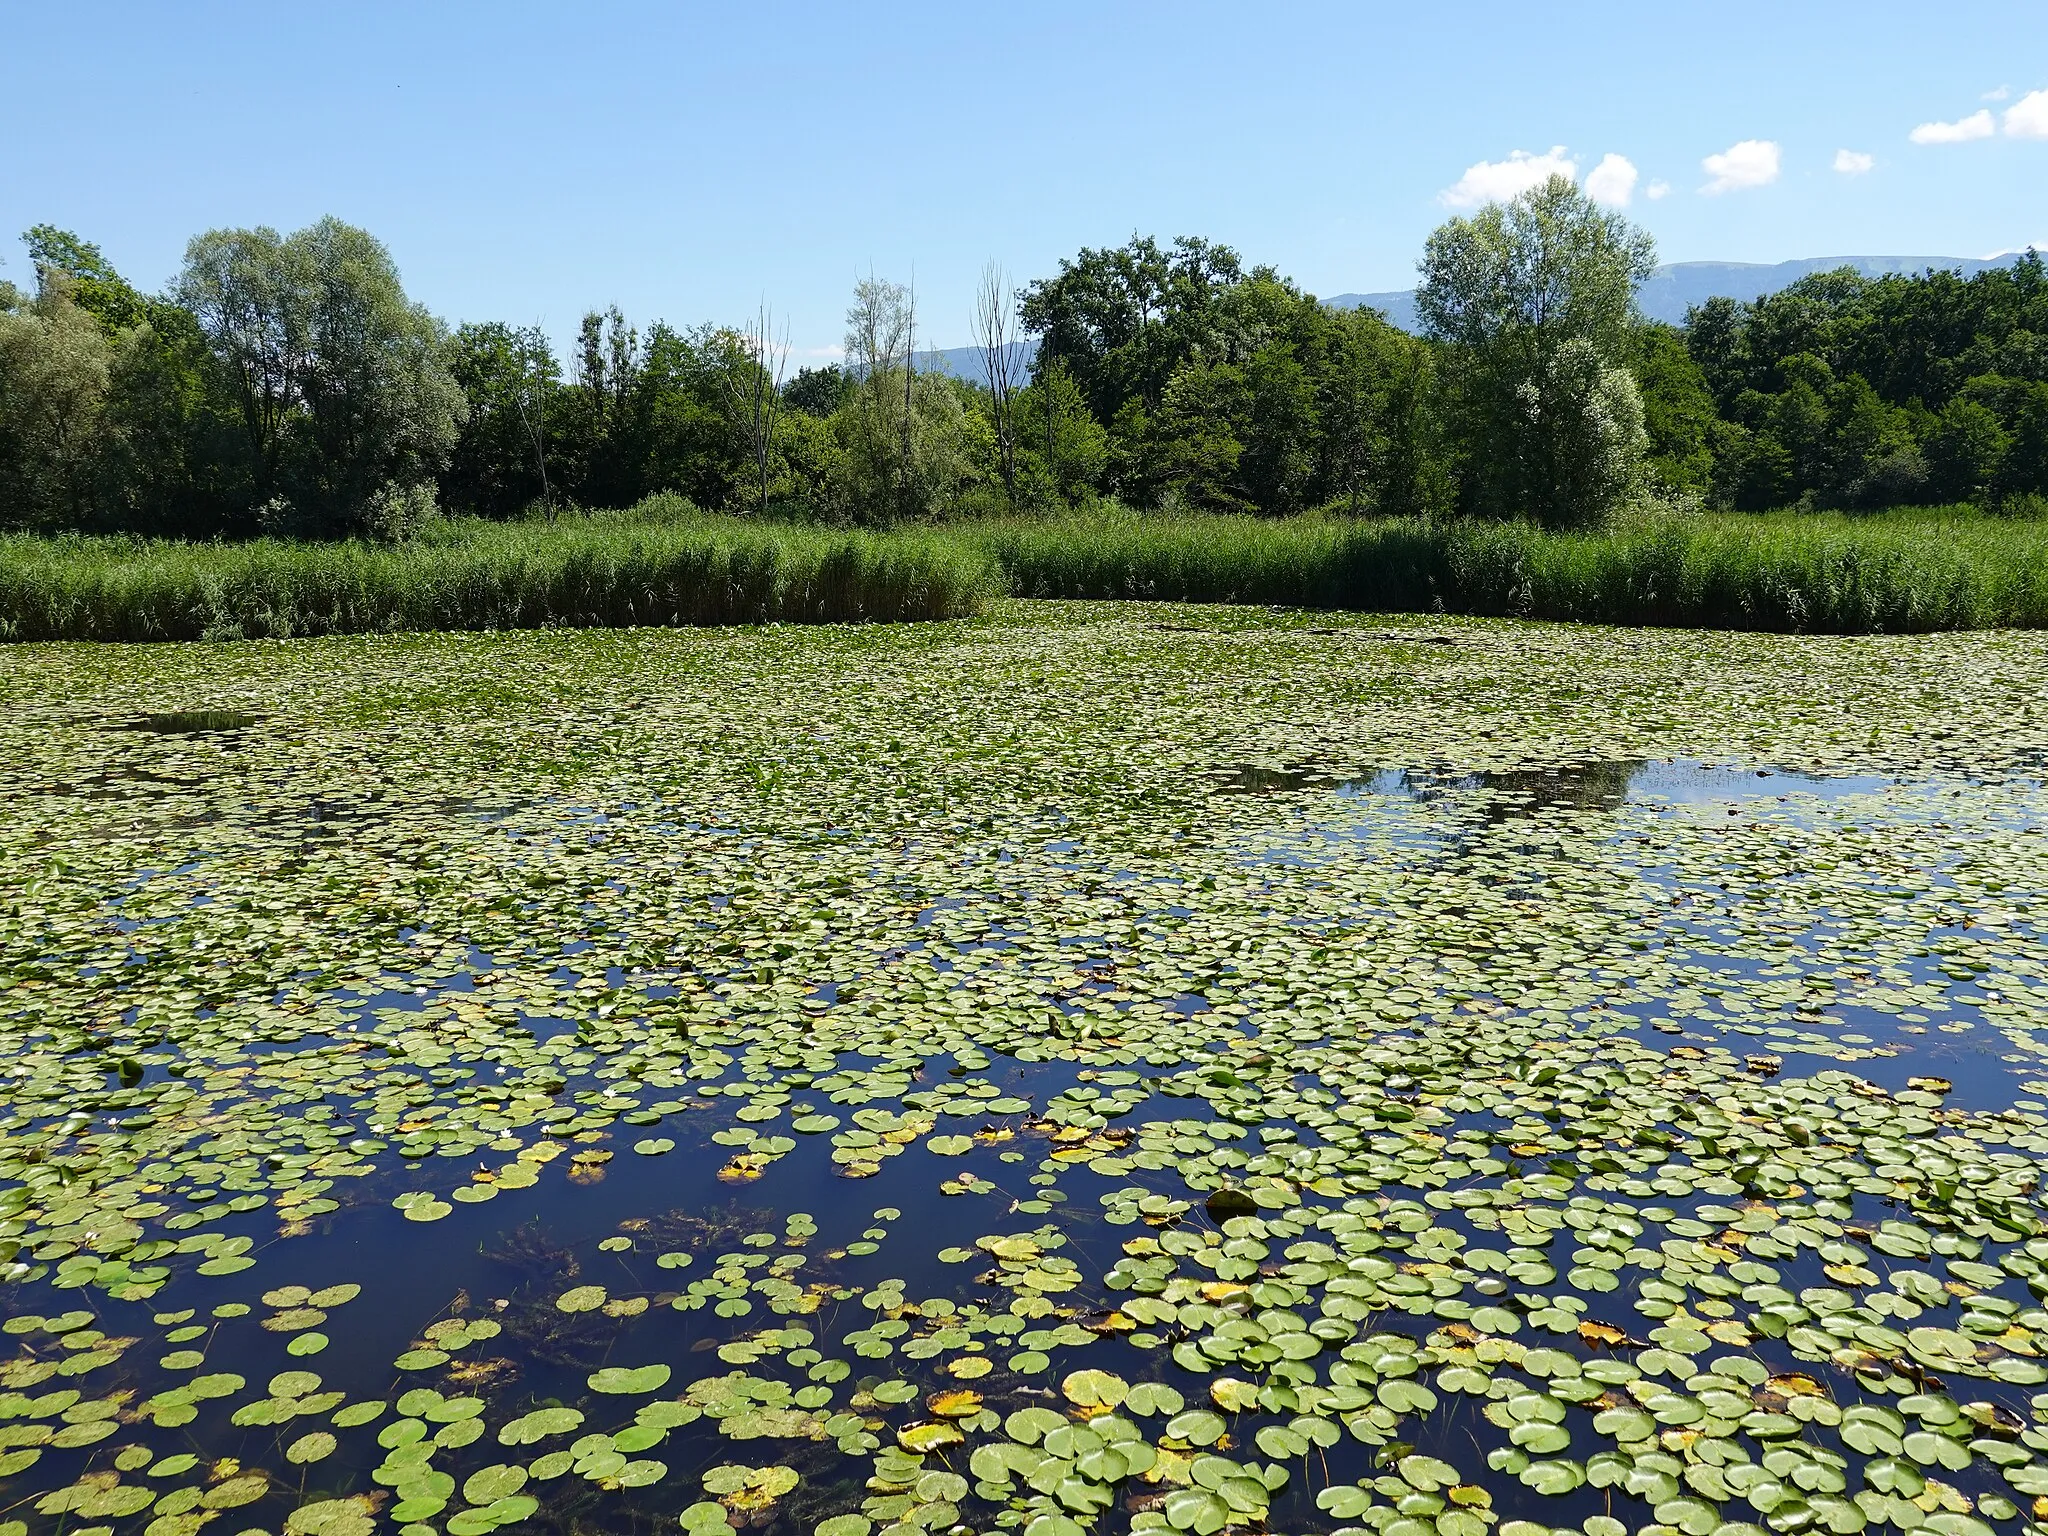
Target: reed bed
1905,572
578,573
664,563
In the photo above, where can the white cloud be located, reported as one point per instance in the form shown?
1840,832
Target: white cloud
1612,181
1752,163
1977,125
1998,95
1656,191
2027,118
1495,181
1853,162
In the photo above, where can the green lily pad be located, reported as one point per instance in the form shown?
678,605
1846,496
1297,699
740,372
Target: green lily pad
629,1382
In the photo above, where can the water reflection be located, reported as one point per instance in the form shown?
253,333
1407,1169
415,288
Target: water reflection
1754,939
194,722
1607,785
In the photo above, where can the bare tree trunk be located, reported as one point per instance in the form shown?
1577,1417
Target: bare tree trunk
1051,406
995,330
903,483
770,357
753,390
535,423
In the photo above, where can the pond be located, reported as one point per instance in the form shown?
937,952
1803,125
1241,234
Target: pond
1096,1068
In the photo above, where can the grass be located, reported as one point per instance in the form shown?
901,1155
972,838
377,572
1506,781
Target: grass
587,572
664,563
1912,571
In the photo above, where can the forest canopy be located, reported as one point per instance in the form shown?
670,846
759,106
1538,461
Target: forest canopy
286,384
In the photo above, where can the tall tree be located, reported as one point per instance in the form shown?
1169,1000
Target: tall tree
343,383
1122,321
908,438
880,335
1534,301
93,284
55,361
609,358
1061,447
509,380
1678,409
817,391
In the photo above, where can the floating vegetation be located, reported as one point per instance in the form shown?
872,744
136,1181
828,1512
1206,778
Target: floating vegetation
847,1083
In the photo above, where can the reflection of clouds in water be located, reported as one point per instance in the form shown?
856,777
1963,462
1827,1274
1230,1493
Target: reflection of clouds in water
1803,912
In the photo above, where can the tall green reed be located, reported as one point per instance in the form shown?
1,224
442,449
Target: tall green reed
578,572
1786,572
664,563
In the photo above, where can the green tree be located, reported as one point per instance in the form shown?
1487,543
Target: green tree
1873,459
1678,409
171,466
1062,449
807,467
155,458
1837,389
1966,451
686,431
1278,468
1123,321
55,364
1196,439
1362,359
94,285
817,391
511,387
910,444
1796,417
1534,302
342,383
1582,433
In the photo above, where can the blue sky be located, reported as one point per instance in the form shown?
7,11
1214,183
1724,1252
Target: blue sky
524,162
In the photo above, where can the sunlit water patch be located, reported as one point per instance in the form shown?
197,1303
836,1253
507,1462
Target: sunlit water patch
1829,915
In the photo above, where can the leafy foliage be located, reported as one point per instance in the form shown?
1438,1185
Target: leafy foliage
1853,392
286,385
1534,300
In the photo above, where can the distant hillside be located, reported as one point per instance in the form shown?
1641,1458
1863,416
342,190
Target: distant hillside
968,363
1674,289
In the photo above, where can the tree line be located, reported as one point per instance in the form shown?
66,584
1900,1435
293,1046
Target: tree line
287,385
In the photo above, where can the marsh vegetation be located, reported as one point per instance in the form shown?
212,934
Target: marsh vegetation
666,563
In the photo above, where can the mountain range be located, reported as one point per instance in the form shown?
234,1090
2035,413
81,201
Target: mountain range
1669,293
